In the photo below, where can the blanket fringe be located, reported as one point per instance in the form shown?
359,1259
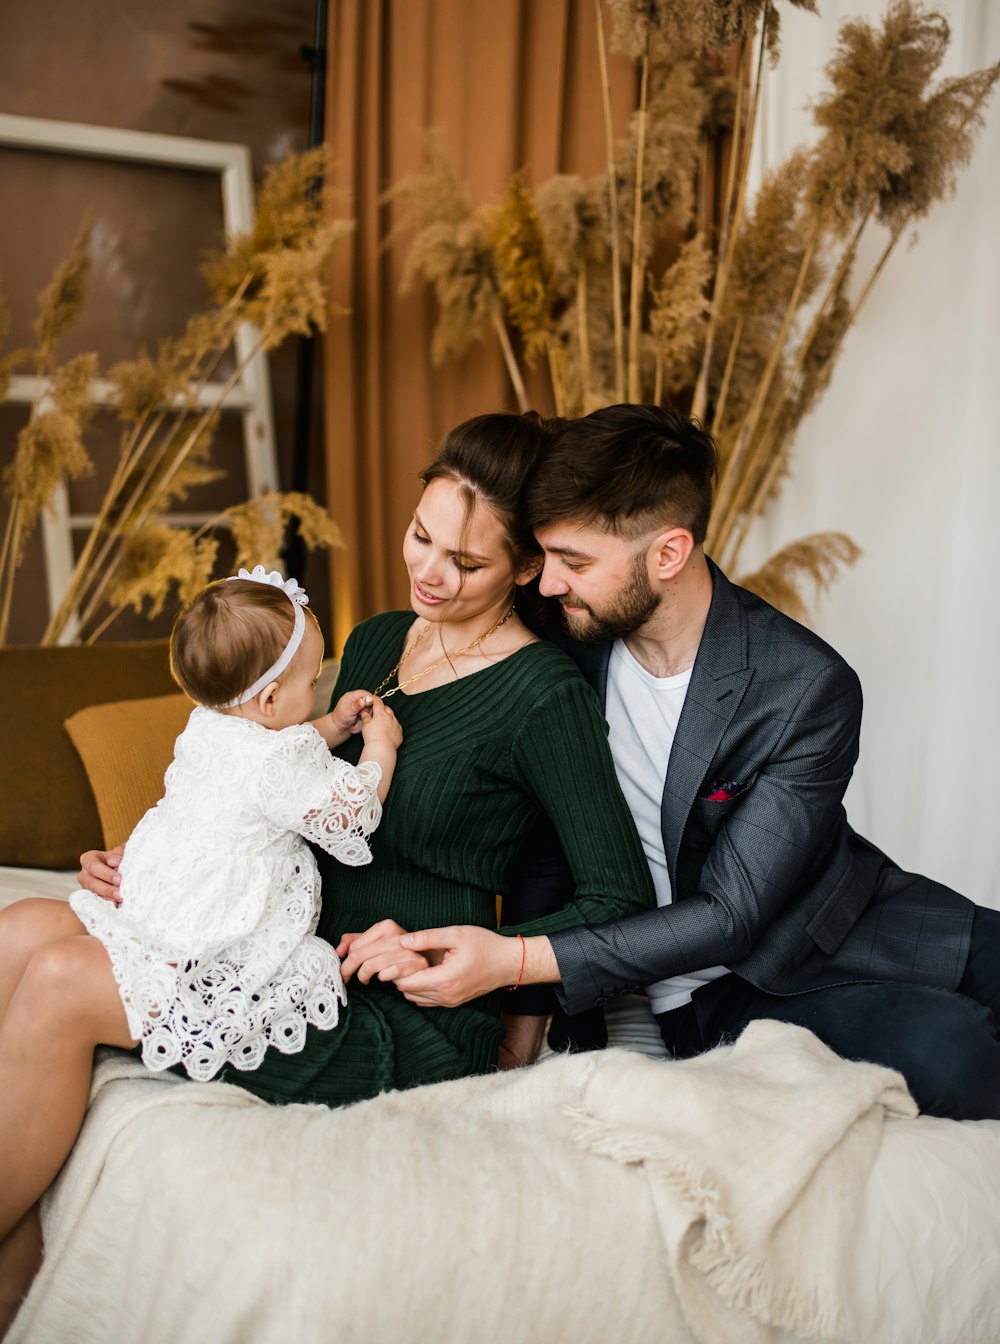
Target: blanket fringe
708,1242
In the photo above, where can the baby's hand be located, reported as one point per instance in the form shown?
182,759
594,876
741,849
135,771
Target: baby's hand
381,725
352,711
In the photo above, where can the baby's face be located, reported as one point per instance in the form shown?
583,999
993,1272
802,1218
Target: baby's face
297,690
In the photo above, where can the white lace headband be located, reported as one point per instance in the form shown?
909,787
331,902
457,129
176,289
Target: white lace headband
297,597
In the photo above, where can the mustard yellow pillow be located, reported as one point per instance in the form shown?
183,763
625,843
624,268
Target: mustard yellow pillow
125,748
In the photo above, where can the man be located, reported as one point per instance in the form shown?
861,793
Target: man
734,731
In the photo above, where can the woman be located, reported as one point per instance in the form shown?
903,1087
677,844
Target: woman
499,728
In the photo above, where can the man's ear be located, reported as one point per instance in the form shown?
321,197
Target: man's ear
669,552
266,701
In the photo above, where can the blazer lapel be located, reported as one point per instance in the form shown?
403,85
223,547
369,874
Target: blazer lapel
719,680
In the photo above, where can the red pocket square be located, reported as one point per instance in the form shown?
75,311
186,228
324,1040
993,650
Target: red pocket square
719,796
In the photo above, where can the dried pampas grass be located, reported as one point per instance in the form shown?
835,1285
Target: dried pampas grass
272,282
631,292
816,559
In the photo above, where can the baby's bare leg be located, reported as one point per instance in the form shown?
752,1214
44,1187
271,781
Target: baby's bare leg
66,1003
20,1261
25,927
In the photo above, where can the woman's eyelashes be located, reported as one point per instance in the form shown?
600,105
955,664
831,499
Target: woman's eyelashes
459,563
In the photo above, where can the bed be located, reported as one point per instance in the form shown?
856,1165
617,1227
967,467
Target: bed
771,1193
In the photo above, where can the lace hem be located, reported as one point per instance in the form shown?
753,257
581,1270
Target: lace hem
203,1016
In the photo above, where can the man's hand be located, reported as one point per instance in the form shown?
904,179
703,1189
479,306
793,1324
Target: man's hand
378,952
99,873
471,962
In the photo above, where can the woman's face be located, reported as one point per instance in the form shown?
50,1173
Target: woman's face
459,567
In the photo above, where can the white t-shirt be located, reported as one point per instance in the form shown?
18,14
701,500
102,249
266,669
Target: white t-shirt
642,713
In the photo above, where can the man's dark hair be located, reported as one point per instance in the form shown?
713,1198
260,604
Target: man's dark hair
627,469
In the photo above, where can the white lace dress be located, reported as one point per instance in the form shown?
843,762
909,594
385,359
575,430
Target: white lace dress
212,944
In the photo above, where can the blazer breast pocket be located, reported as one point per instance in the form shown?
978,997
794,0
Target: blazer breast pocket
709,811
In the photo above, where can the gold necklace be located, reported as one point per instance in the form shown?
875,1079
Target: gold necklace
440,662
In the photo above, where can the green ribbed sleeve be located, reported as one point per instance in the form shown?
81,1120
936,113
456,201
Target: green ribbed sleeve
562,756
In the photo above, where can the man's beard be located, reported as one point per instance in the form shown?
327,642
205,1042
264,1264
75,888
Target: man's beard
630,608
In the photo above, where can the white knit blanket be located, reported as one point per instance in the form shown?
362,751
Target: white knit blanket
598,1198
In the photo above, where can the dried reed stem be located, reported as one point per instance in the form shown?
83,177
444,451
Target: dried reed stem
658,381
734,482
137,443
806,345
616,247
510,359
6,547
700,396
867,289
91,571
770,438
583,336
704,173
8,566
740,152
760,494
722,398
87,568
637,273
140,583
553,356
149,506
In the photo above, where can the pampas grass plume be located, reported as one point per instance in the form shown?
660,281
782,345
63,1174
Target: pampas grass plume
816,559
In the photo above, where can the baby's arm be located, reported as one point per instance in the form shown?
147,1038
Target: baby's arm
383,738
331,803
347,717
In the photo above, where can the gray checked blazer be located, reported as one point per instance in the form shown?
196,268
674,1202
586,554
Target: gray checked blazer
767,875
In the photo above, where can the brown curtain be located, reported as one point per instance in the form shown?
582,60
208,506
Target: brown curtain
507,84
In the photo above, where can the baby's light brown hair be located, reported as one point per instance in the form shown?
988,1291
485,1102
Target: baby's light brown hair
230,634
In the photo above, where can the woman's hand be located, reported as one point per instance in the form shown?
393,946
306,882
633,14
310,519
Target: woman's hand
378,952
99,873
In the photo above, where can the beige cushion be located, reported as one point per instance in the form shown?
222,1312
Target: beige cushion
48,815
125,748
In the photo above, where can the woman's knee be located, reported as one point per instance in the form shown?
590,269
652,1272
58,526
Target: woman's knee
28,925
51,988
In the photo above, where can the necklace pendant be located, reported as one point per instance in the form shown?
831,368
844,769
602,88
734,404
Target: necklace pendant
474,644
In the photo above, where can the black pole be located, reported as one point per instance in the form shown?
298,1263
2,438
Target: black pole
293,551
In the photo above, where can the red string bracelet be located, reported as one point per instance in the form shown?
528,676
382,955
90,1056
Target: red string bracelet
521,971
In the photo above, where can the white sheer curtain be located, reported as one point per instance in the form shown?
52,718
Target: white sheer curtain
903,454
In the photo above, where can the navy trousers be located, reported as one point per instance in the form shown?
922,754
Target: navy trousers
945,1043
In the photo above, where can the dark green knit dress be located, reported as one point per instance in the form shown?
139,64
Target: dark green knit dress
481,758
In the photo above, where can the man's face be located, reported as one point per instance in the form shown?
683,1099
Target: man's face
600,580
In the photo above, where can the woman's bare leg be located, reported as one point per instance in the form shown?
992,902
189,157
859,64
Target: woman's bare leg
25,927
66,1003
20,1261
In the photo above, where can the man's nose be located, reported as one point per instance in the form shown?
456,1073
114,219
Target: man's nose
551,582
